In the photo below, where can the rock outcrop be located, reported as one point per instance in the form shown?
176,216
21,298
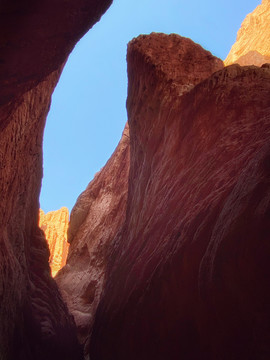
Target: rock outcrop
95,220
36,38
55,225
252,46
188,274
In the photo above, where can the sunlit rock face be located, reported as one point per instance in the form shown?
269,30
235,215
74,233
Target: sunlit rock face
95,220
188,274
252,46
55,225
36,38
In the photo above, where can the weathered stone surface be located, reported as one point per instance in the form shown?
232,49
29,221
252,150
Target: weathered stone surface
252,45
188,275
55,225
95,220
36,38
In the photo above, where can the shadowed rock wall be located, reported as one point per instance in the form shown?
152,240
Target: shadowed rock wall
35,40
181,261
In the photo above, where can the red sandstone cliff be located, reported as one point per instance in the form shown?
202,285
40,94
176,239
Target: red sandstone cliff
36,38
100,211
188,275
55,225
183,262
95,220
252,46
185,272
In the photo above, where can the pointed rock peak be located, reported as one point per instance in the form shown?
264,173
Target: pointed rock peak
55,225
252,46
174,59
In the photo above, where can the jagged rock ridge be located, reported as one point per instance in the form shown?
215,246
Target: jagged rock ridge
55,225
252,46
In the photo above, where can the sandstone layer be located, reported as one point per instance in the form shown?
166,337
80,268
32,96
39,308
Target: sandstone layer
95,220
188,274
252,46
55,225
35,40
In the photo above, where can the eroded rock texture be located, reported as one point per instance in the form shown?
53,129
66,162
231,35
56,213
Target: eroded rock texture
95,220
35,40
188,276
252,46
55,225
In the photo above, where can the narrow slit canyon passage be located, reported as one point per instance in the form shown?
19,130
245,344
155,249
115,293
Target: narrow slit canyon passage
165,254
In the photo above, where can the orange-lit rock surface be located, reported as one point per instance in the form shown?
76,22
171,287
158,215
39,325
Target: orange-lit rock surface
36,39
252,46
94,222
188,274
55,225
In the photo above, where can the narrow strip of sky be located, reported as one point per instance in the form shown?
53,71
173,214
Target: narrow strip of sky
88,112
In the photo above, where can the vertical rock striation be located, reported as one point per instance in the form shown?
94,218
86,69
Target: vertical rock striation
95,220
35,40
188,273
252,45
55,225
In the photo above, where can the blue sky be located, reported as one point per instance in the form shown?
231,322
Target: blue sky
88,110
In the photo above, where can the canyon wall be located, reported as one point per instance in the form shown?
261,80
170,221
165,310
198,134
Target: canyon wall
36,38
188,274
169,243
185,272
252,46
55,225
